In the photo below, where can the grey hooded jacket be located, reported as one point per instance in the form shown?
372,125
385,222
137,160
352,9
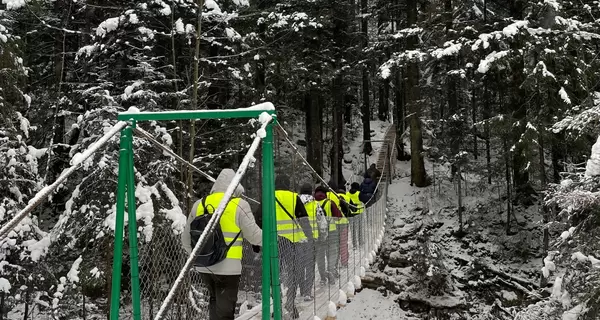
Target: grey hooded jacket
244,220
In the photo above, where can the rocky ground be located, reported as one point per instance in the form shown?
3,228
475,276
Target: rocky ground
432,272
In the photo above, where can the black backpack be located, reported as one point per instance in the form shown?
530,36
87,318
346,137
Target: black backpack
215,248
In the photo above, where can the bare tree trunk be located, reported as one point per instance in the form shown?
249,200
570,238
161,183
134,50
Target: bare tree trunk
418,174
366,103
557,154
314,137
484,11
508,189
190,173
400,116
474,118
338,125
460,200
182,167
455,137
488,131
544,208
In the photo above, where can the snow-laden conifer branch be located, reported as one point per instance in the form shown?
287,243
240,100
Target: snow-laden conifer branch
45,192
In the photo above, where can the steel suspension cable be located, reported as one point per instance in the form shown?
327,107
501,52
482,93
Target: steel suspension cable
286,138
170,152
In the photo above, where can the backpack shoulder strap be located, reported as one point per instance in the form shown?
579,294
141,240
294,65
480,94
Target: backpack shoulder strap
325,204
203,203
287,212
284,209
234,240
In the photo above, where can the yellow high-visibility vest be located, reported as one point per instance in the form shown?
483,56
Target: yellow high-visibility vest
287,226
311,209
328,213
331,196
359,207
227,222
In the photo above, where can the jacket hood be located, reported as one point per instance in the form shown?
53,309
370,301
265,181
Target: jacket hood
368,181
223,180
282,182
306,189
353,191
320,193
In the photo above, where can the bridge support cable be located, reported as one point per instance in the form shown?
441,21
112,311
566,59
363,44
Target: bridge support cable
175,156
330,264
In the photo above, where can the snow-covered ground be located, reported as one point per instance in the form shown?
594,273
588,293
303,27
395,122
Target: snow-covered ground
370,304
356,167
425,268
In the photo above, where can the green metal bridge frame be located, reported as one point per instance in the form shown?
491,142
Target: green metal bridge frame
126,194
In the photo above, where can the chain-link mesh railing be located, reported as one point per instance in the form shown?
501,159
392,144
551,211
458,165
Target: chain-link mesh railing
323,271
316,274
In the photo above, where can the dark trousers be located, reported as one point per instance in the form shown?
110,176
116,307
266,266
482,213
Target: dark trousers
357,231
290,273
320,251
223,292
305,261
333,252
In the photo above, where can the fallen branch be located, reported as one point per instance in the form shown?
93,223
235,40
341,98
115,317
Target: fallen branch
521,288
502,274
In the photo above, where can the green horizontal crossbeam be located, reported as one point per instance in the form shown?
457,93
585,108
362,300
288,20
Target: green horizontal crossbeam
194,114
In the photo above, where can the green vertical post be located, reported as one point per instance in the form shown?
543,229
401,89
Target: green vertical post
119,225
270,255
267,177
133,240
275,279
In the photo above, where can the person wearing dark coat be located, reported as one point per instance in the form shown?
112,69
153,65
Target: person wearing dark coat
367,190
373,172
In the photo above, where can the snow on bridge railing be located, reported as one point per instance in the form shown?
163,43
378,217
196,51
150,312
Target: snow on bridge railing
249,112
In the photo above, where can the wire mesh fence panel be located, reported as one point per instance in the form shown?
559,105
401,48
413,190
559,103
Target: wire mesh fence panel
160,262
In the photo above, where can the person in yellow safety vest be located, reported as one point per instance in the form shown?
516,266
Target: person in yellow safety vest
320,228
342,223
356,208
332,213
341,205
295,238
222,279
